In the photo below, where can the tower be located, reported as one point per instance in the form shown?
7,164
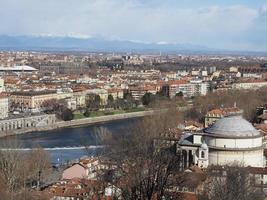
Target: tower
203,155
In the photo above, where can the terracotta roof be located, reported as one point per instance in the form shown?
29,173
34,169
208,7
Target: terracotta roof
224,111
262,128
3,95
253,81
193,123
177,82
79,188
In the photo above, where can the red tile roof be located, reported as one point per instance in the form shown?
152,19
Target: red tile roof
224,111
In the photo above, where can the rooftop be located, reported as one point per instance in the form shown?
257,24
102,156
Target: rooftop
33,93
232,126
18,68
224,111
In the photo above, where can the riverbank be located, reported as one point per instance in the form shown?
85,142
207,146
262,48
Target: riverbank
80,122
101,119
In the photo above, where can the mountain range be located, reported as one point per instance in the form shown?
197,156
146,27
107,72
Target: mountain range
100,44
67,43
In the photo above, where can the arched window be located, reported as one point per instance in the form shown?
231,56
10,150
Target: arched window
202,154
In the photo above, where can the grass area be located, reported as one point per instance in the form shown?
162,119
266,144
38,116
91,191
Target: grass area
78,116
103,113
139,109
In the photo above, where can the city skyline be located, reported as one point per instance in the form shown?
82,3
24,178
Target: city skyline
227,25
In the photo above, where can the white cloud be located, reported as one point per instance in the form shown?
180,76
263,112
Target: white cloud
213,26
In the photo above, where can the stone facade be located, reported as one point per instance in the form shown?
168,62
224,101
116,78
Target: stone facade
9,125
33,100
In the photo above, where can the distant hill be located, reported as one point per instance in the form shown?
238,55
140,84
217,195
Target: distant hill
50,43
94,44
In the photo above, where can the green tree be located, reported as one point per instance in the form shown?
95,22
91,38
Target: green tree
179,94
147,98
110,101
87,112
97,102
67,115
93,102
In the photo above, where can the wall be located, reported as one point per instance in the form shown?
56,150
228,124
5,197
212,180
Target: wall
248,158
234,143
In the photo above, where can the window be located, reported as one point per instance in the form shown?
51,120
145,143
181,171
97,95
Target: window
202,154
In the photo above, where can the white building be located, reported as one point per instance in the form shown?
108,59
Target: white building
17,69
233,139
194,88
200,88
2,86
229,140
254,84
3,106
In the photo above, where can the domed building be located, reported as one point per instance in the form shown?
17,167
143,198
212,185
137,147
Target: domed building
230,139
233,139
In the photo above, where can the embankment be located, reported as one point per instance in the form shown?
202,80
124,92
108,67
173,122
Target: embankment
79,122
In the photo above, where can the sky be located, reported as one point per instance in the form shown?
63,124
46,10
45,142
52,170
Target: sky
220,24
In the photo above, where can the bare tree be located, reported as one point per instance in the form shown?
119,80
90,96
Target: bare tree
143,171
230,183
39,165
242,98
17,168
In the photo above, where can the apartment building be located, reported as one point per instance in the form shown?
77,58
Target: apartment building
189,89
249,84
33,100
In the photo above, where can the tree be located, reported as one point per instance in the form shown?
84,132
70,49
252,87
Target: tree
67,115
144,171
242,98
17,169
58,107
231,183
87,112
38,164
147,98
110,100
179,94
97,101
93,102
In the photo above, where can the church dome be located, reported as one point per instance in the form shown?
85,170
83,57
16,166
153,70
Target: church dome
232,126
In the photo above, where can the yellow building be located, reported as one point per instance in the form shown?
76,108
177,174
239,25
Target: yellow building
33,100
116,93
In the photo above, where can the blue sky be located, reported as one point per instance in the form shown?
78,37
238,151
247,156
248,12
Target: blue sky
222,24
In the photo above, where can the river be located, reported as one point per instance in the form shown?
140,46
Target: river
68,144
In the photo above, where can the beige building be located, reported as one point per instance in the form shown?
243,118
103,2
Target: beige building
33,100
116,93
80,99
103,94
2,86
3,106
250,84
